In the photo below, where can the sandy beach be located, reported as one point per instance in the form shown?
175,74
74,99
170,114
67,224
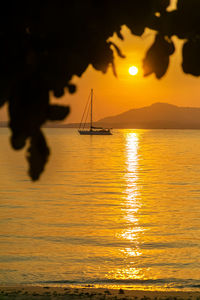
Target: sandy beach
47,292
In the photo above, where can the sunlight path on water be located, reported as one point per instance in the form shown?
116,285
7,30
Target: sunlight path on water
131,203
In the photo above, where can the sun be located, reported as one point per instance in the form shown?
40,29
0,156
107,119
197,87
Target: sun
133,70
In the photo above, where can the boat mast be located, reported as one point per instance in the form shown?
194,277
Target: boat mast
91,109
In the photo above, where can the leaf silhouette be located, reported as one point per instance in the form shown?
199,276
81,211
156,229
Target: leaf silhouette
37,155
157,57
191,57
57,112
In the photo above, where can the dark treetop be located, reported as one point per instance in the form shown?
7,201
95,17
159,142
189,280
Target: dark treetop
44,43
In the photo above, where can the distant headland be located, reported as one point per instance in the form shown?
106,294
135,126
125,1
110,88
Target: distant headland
155,116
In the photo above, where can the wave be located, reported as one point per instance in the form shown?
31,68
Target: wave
173,283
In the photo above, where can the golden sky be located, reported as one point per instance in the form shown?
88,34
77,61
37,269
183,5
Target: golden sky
115,95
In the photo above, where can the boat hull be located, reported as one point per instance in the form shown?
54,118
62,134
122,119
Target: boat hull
94,132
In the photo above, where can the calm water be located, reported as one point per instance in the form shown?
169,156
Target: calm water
109,210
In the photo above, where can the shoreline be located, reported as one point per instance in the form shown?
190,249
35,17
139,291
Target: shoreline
22,292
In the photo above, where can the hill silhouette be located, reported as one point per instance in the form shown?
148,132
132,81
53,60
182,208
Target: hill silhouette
157,115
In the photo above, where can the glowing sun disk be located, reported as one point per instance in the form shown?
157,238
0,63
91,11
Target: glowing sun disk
133,70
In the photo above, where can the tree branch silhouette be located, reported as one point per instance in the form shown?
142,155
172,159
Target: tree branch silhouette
44,44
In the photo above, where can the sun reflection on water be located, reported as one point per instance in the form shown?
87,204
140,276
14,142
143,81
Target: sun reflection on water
127,273
131,204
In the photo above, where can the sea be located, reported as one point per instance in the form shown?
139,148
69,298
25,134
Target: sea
108,211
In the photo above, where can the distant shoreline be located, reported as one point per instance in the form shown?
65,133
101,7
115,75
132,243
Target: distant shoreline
47,292
72,126
156,116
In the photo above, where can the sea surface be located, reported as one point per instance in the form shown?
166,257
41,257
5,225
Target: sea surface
120,210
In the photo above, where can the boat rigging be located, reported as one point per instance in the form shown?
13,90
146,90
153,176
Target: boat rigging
92,129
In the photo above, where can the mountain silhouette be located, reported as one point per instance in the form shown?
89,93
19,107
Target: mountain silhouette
157,115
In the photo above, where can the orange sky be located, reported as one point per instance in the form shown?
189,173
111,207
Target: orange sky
115,95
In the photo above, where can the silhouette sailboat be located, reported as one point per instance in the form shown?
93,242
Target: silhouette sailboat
92,130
